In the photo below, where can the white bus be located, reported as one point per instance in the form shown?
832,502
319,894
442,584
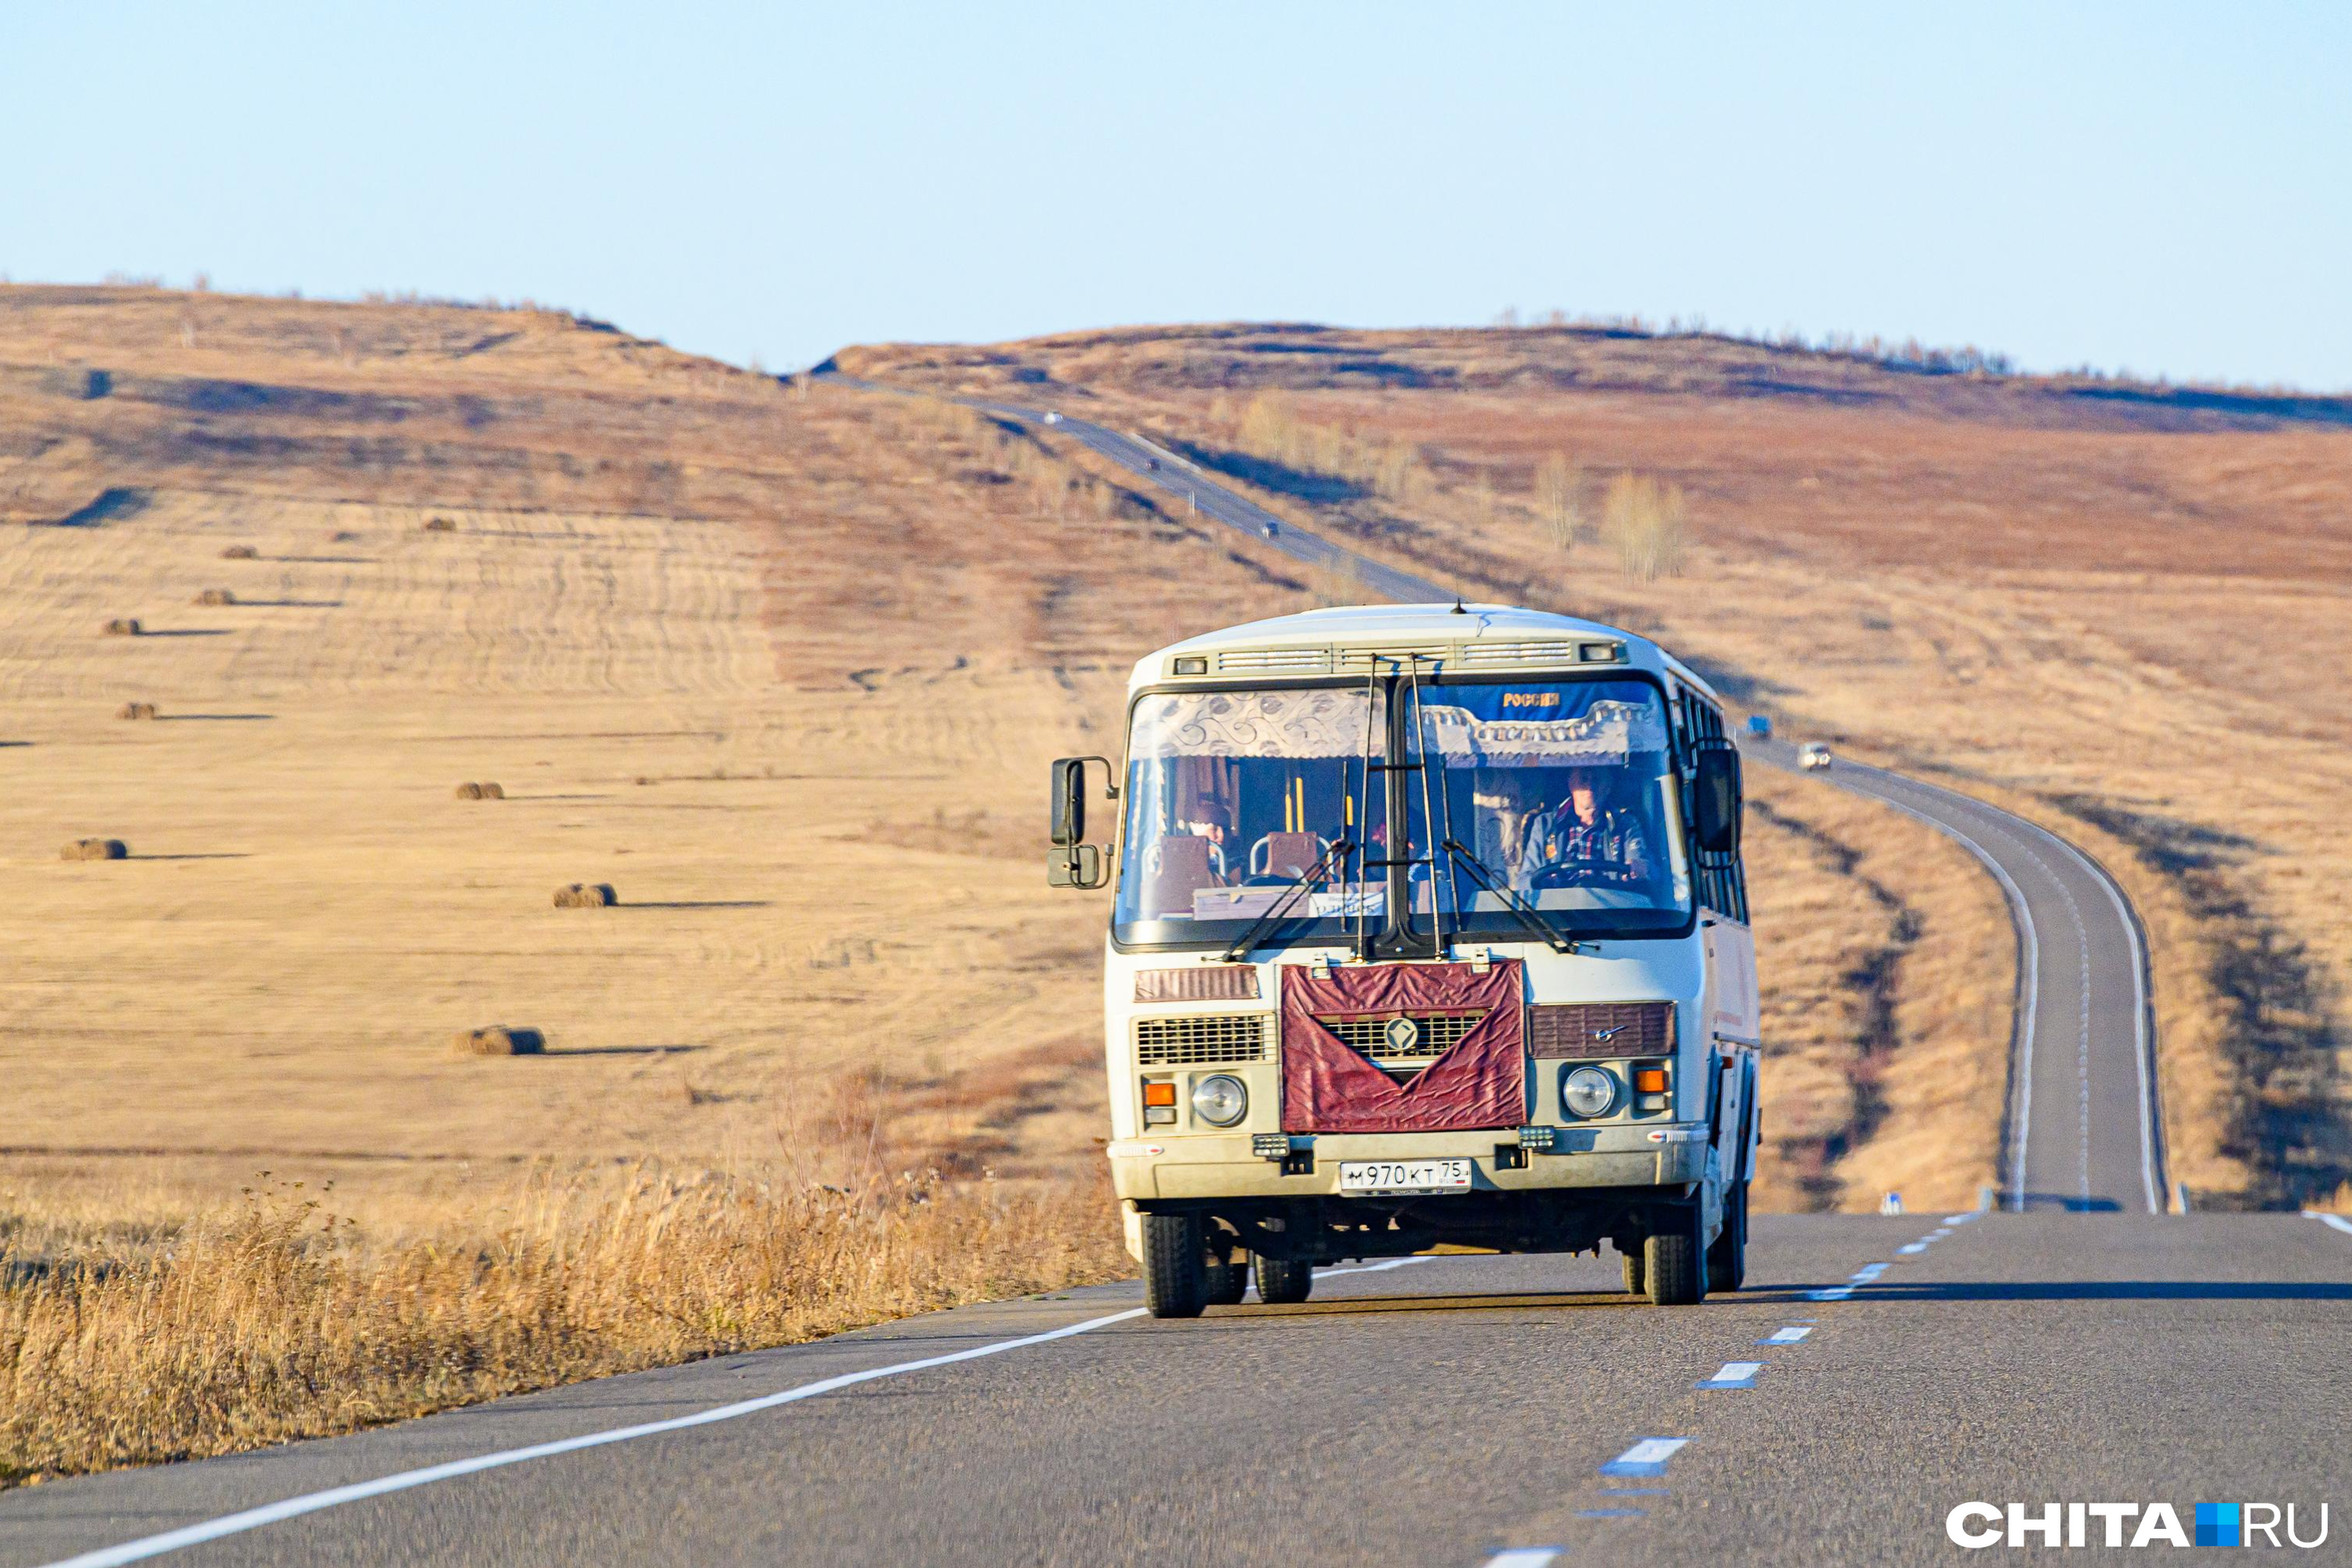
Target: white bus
1429,929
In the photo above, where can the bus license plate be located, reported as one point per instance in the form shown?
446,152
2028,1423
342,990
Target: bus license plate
1405,1175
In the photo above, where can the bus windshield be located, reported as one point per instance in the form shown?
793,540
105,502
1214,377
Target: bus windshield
1564,790
1232,796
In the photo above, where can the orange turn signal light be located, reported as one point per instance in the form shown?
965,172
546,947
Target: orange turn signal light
1158,1094
1649,1080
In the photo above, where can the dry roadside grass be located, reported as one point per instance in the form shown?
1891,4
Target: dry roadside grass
2119,608
277,1316
1890,976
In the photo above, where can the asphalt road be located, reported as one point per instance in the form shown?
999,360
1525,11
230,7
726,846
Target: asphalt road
1876,1373
1439,1412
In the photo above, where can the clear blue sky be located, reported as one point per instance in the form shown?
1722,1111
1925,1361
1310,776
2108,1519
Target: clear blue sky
2161,187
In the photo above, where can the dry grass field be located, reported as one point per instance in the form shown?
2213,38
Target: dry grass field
780,664
2117,607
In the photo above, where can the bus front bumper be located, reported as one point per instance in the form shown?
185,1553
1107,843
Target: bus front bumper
1225,1166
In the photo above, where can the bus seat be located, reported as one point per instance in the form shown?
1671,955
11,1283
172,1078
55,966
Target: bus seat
1285,854
1174,870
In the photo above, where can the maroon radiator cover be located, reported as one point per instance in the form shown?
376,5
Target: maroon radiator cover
1481,1082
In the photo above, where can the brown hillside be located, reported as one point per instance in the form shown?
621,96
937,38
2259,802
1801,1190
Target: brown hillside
2122,604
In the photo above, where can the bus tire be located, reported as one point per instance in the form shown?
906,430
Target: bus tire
1727,1260
1175,1265
1282,1282
1674,1264
1226,1281
1630,1257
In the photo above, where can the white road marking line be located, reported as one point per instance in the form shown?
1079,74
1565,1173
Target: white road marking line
313,1502
1371,1267
1866,1273
1789,1336
2337,1220
1913,1246
1958,1219
1735,1375
1646,1457
1834,1293
1523,1557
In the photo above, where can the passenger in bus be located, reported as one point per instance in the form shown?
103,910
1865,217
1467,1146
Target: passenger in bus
1586,839
1207,819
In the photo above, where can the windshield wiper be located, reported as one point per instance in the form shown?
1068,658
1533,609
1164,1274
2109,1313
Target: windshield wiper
1274,912
1527,914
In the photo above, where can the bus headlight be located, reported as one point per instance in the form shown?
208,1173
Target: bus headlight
1220,1099
1588,1091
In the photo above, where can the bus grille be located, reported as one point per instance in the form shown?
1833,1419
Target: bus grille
1206,1037
1631,1029
1439,1032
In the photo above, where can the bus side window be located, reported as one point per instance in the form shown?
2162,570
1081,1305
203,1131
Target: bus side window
1721,888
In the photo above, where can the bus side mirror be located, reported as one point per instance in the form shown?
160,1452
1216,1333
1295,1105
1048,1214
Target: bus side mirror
1069,823
1072,862
1717,799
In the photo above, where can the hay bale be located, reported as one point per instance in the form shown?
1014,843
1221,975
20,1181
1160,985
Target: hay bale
216,596
440,525
492,791
123,627
586,896
472,791
95,850
498,1040
240,552
136,711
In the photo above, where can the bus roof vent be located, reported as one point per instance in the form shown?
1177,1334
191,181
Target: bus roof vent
1518,655
1275,661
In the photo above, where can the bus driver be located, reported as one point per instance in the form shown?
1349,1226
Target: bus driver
1581,840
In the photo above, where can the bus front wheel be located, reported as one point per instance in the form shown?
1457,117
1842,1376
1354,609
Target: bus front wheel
1673,1260
1175,1265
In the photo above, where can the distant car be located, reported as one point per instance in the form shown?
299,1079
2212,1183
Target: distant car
1813,755
1759,725
1271,528
1053,419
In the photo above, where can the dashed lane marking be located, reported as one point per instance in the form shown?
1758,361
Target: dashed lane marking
1735,1375
1646,1457
1523,1557
1788,1336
